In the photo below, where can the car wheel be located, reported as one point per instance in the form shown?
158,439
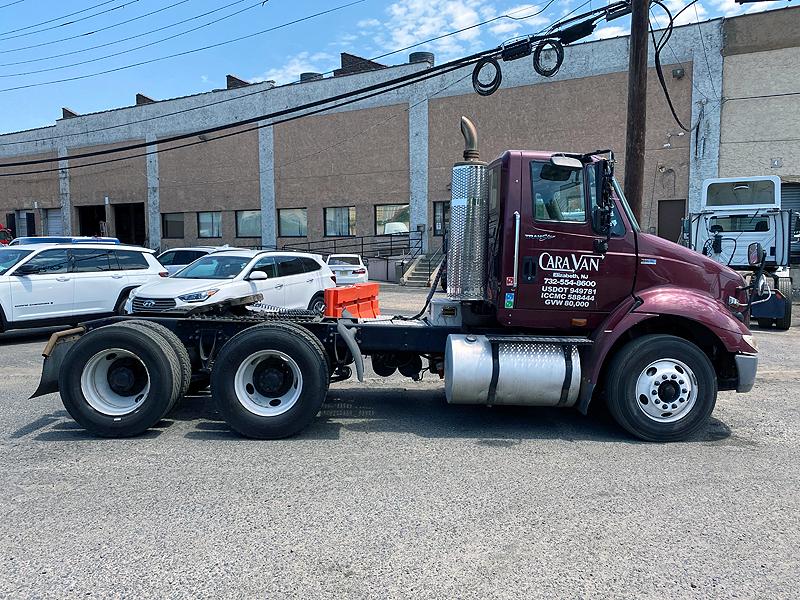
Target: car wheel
118,381
269,381
317,303
765,323
661,388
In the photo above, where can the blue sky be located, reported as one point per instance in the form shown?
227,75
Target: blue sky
367,28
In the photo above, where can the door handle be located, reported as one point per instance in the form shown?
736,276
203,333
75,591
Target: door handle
528,269
116,276
279,286
62,278
309,280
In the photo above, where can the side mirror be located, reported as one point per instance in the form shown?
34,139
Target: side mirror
257,276
601,219
755,254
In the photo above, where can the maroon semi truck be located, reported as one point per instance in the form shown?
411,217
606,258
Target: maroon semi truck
554,298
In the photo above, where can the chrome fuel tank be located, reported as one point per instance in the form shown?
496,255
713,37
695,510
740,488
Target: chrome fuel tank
531,374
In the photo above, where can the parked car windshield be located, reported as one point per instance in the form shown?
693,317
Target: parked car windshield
10,257
214,267
344,260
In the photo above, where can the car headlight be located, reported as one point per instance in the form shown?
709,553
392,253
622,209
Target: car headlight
197,296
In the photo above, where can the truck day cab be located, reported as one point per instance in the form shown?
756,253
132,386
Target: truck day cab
554,298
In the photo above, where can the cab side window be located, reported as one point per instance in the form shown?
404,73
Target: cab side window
557,193
49,262
267,265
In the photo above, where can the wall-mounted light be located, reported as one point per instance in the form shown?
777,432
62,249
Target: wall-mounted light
678,73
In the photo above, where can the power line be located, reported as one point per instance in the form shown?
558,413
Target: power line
705,54
102,12
94,31
761,96
346,98
402,81
12,3
256,92
153,43
185,52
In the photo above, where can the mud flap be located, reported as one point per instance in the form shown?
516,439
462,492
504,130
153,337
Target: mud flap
54,353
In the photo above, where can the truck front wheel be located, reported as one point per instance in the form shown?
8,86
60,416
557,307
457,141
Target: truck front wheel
661,388
270,380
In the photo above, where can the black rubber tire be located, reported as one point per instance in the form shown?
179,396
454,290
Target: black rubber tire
303,348
785,287
624,371
765,323
157,356
177,346
318,297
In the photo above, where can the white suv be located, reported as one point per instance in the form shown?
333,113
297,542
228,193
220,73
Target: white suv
285,279
48,284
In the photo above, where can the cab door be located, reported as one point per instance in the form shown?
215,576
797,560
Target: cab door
42,287
563,282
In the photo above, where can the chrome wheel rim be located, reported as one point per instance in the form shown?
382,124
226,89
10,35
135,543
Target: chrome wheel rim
318,306
268,383
115,382
666,390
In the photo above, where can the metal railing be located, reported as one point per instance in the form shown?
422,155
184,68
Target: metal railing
408,245
433,263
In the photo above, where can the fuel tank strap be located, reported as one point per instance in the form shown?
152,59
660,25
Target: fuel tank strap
567,374
541,339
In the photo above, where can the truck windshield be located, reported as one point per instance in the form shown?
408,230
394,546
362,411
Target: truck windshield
214,267
626,206
9,257
738,223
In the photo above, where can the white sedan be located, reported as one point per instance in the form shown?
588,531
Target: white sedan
284,279
348,268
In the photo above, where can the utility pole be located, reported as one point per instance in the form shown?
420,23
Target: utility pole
637,107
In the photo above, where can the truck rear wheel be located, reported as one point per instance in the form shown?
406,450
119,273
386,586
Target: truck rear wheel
177,346
269,381
661,388
118,381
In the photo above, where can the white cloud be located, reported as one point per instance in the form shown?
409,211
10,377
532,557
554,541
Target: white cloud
611,31
320,62
204,78
368,23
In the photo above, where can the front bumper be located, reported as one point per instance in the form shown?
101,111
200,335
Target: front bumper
746,367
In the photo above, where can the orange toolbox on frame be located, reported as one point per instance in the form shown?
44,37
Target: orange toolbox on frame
360,300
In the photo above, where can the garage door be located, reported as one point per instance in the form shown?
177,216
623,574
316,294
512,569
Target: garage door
790,198
55,226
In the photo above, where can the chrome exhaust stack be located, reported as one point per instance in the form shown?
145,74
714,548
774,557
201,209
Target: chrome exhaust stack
469,216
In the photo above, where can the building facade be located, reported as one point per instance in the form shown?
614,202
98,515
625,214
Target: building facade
382,165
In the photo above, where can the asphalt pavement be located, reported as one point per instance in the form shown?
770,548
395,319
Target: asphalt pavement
392,493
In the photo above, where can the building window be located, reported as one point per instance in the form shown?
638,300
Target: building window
292,222
248,223
340,221
392,218
441,217
209,224
172,225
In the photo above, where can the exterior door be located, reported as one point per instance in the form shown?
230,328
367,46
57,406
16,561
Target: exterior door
272,288
292,276
670,216
97,284
563,283
48,292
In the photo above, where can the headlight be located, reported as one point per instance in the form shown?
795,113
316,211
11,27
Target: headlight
750,340
197,296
